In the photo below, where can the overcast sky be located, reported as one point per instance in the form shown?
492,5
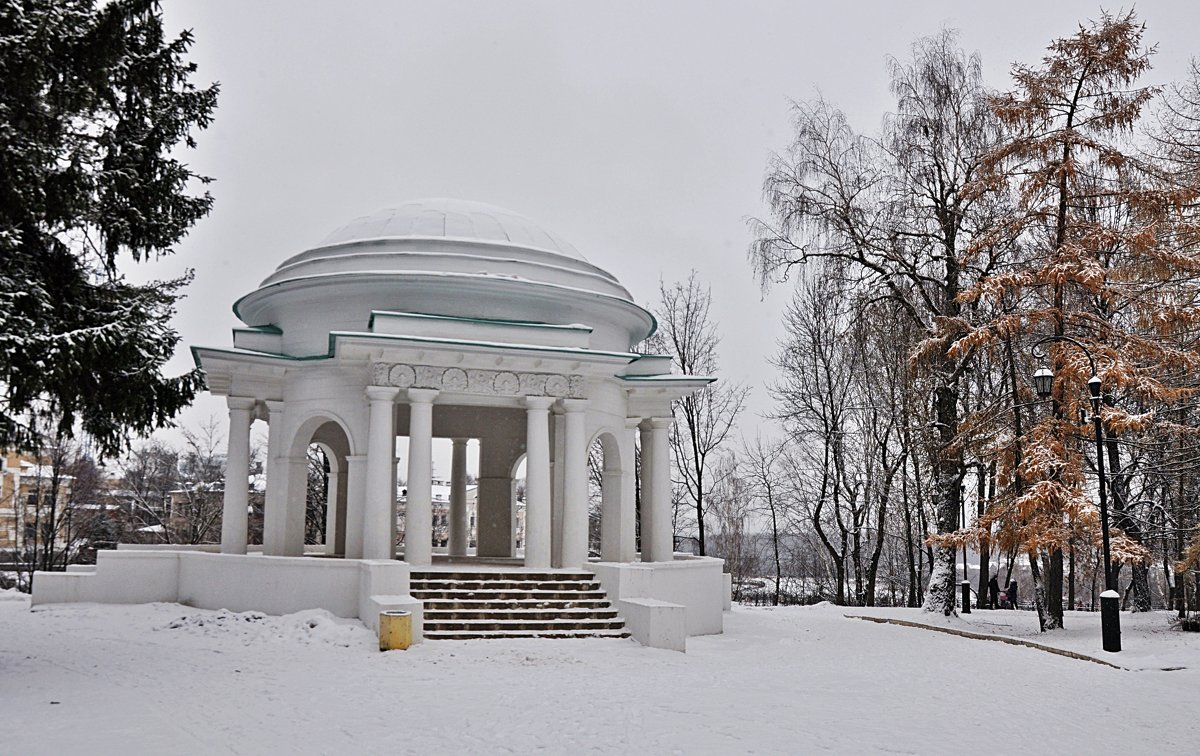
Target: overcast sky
638,131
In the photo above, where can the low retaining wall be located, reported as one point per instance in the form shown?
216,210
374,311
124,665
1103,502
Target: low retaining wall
352,588
694,583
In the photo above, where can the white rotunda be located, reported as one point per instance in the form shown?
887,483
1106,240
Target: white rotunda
457,320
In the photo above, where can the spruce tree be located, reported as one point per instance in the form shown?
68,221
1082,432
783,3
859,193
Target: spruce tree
95,104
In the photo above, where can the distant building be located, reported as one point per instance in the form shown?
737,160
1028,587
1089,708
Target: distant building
25,485
441,515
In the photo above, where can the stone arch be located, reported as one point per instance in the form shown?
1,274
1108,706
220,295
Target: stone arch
331,435
614,472
326,427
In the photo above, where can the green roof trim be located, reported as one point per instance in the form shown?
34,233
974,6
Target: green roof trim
251,353
627,356
485,321
668,378
268,328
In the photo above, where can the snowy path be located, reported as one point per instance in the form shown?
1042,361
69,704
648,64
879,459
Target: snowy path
797,680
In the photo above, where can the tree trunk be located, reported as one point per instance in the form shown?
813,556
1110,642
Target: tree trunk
1039,592
1071,577
1054,592
947,499
1119,488
985,545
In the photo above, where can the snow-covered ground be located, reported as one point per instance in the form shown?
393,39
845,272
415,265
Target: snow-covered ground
1149,641
164,678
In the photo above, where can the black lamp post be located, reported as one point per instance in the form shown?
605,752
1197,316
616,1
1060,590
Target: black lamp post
1110,606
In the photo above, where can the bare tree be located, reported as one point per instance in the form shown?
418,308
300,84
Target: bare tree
731,513
892,214
704,419
760,469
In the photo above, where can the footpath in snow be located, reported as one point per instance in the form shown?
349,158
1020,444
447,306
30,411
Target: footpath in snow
1149,639
164,678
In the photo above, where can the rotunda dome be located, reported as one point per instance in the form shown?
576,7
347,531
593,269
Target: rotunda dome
441,257
452,219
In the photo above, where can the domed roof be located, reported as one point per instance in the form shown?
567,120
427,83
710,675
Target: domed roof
451,219
442,257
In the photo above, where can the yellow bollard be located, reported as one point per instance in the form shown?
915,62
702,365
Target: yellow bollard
395,630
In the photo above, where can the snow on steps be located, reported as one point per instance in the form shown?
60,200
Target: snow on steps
473,605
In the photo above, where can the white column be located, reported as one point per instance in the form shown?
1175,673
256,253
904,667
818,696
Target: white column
558,453
356,492
418,513
334,504
537,481
381,454
575,485
297,504
460,526
275,505
656,507
237,471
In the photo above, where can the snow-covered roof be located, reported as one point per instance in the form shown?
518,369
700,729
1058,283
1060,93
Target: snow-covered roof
452,219
440,257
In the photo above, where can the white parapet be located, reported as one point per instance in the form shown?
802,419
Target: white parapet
352,588
695,583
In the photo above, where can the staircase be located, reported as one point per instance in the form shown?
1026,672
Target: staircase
470,605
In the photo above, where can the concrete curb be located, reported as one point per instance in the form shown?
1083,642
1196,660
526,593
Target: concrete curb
986,637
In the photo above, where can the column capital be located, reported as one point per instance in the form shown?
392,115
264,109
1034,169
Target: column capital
382,393
275,406
539,402
422,395
573,405
353,458
240,403
633,423
459,441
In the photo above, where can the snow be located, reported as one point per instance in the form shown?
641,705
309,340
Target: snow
164,678
1149,639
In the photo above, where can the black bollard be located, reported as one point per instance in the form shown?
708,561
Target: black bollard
1110,620
966,598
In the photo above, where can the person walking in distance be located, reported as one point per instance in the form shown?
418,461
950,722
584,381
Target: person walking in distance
993,593
1012,593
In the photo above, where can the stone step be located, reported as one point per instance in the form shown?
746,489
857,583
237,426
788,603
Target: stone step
505,634
503,585
490,613
509,595
526,625
516,576
470,605
478,605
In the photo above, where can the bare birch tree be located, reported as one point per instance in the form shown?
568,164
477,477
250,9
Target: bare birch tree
703,420
891,213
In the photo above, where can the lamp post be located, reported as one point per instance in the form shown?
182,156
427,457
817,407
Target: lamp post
1043,383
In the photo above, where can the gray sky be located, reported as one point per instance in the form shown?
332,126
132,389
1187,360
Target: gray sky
638,131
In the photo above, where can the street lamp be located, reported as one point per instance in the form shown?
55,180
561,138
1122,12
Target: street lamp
1110,609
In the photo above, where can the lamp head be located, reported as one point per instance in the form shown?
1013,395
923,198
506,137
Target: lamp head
1043,382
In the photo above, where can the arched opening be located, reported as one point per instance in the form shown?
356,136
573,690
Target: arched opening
317,487
607,489
517,505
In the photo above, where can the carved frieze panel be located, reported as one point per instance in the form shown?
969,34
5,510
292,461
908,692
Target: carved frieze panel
472,381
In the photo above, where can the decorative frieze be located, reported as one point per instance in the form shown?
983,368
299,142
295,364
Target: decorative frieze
472,381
